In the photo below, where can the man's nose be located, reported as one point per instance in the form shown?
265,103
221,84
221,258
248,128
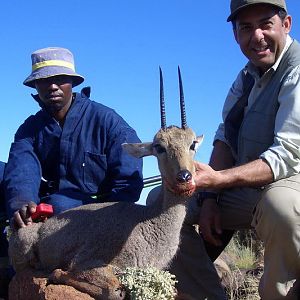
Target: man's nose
258,35
52,86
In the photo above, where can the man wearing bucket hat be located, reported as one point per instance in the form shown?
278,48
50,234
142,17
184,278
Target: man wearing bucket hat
252,180
69,153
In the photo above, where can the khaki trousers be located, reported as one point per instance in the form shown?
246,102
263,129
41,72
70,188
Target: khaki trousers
274,212
277,222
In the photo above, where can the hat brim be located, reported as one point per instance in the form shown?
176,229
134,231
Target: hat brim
51,72
233,15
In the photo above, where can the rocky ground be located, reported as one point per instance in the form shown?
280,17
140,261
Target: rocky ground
34,285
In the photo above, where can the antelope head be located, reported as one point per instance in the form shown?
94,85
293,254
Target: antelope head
174,148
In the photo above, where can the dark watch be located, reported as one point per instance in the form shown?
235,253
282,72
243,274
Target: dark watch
207,195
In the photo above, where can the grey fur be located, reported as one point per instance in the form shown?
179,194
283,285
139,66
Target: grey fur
119,234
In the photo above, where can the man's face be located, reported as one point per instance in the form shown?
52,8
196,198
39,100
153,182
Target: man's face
261,34
56,93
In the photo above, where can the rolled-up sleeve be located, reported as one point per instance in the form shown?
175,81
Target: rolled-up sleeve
283,156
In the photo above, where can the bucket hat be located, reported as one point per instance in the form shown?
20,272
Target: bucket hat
237,5
50,62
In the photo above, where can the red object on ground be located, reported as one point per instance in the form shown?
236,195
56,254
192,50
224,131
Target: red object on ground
43,211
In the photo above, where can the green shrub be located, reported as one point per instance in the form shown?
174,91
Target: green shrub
148,284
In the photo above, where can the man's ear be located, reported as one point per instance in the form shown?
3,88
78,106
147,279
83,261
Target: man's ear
235,35
138,149
287,24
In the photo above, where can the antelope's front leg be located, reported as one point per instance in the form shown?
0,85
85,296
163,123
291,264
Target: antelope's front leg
100,283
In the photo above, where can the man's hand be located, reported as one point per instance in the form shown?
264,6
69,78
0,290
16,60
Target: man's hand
205,176
210,222
22,217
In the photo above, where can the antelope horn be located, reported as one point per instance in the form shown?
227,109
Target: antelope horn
182,105
162,101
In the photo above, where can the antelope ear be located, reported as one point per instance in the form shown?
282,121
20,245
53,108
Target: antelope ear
199,140
138,149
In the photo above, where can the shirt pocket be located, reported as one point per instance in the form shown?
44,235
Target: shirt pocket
259,127
94,170
256,135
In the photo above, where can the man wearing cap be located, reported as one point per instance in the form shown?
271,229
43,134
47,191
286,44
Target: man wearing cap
69,153
253,180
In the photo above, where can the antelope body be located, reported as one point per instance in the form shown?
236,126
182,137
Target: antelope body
122,234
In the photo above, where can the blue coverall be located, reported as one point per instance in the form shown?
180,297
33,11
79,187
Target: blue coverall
80,160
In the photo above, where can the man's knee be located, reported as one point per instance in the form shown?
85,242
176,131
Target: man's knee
280,206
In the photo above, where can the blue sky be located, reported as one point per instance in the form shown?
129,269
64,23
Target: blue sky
118,48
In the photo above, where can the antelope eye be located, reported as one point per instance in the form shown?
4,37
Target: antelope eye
159,149
194,146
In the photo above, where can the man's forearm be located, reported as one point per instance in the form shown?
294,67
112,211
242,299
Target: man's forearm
254,174
221,172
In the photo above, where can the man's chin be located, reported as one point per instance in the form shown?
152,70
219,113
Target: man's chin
53,107
264,63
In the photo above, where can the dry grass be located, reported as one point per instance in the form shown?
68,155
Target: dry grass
245,257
